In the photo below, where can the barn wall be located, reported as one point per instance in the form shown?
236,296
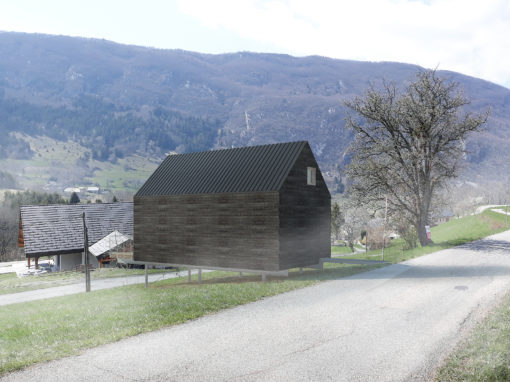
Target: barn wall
305,213
70,261
232,230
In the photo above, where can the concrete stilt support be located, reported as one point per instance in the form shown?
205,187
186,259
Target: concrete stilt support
300,270
189,275
264,279
146,276
240,274
200,276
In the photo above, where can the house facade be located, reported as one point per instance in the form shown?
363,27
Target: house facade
57,229
264,208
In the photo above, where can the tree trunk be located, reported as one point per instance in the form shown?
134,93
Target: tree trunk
422,234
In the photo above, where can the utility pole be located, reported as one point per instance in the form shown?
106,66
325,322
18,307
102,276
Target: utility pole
384,227
86,254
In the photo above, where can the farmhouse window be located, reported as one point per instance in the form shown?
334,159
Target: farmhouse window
310,176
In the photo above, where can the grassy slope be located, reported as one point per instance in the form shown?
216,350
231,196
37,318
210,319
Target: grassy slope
447,235
58,159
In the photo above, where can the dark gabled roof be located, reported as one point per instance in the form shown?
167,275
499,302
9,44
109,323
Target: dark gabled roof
246,169
58,228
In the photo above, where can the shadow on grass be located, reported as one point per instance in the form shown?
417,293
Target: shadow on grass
330,273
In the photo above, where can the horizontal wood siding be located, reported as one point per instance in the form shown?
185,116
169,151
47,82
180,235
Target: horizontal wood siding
231,230
305,213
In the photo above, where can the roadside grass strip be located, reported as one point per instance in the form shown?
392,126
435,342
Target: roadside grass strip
49,329
447,235
9,283
485,355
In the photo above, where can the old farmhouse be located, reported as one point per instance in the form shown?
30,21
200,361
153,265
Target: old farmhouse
263,208
57,229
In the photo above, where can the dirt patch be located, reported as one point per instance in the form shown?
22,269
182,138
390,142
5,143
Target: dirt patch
493,223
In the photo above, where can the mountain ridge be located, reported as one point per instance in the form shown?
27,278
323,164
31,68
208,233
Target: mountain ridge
180,101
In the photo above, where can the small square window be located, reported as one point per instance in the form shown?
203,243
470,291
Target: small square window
311,176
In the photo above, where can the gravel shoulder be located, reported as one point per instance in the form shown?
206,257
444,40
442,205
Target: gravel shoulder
392,324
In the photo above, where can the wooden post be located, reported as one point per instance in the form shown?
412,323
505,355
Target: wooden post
86,254
200,276
28,262
37,262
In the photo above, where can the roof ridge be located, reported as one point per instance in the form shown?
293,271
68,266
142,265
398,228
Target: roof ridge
256,168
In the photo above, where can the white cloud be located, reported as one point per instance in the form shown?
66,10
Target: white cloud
466,36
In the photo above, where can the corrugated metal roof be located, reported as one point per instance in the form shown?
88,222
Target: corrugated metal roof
58,228
246,169
107,243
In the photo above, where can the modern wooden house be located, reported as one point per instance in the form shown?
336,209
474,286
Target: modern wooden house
264,208
57,229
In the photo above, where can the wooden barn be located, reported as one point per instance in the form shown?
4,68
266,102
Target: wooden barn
264,208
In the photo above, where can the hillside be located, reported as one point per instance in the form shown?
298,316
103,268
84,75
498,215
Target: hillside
116,102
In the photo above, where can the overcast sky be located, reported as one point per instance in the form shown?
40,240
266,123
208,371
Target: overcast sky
471,37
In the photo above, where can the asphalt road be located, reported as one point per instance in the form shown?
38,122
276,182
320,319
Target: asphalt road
392,324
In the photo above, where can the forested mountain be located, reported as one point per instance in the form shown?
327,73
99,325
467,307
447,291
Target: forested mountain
118,100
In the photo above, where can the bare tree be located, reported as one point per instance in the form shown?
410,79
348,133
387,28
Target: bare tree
8,233
408,145
354,221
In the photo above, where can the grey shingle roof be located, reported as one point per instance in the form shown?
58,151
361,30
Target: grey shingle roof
246,169
57,228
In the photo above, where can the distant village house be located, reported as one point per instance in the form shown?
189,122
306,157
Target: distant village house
57,230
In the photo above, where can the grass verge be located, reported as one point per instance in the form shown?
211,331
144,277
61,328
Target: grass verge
54,328
485,355
447,235
9,283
